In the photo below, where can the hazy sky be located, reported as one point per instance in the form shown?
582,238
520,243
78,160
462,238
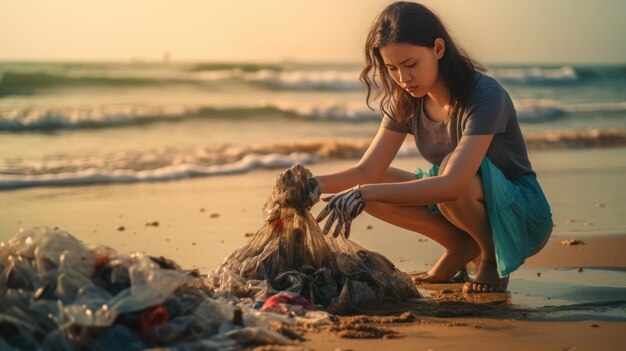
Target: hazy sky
492,31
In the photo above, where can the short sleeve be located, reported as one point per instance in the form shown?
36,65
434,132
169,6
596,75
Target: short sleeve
488,114
389,123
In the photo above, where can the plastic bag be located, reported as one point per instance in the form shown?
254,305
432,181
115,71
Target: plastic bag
290,253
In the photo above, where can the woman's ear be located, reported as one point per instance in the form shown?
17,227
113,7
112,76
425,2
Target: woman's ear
440,48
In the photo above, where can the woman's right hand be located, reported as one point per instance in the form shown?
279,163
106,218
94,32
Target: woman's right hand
342,208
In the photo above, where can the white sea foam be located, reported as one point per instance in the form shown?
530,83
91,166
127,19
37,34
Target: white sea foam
17,119
170,163
333,80
174,163
99,175
536,75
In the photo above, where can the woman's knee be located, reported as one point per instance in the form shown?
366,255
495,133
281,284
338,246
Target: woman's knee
470,196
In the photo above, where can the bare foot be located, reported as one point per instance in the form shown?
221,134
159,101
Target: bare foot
450,265
487,280
423,278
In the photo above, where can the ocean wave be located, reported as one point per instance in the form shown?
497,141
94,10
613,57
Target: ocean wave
28,80
37,119
535,75
575,139
544,110
568,74
18,82
334,80
304,80
45,119
100,175
171,163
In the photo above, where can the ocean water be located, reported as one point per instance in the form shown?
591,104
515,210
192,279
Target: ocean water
97,122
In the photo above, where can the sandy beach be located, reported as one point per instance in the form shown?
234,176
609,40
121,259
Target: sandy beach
566,297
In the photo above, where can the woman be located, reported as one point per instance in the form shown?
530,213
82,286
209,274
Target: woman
482,197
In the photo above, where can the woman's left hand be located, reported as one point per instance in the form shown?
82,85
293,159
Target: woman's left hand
342,207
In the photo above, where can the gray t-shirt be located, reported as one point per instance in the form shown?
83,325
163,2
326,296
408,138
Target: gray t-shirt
490,111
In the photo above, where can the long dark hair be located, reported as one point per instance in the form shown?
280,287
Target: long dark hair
406,22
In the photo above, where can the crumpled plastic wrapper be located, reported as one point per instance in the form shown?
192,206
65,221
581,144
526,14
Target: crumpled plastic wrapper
290,253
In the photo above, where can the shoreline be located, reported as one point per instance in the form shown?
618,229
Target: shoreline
235,160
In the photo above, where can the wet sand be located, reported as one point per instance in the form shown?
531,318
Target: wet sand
482,334
596,251
197,222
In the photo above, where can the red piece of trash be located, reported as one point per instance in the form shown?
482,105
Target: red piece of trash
101,261
286,299
154,316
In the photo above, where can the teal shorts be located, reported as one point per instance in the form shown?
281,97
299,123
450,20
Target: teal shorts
518,212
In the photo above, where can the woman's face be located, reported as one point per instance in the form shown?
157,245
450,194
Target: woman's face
414,68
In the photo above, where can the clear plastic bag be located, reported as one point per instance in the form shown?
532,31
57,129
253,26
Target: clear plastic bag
290,253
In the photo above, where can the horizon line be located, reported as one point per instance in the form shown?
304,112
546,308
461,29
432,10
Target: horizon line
277,61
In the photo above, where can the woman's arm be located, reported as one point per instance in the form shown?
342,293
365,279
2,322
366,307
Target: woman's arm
455,178
370,168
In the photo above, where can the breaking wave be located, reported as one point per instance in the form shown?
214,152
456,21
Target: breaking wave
43,119
170,163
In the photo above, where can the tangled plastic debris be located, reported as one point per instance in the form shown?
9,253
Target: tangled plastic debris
290,253
58,294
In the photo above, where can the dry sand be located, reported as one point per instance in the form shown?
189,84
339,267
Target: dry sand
197,222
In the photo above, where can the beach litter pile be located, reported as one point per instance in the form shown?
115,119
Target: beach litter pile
290,255
57,293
